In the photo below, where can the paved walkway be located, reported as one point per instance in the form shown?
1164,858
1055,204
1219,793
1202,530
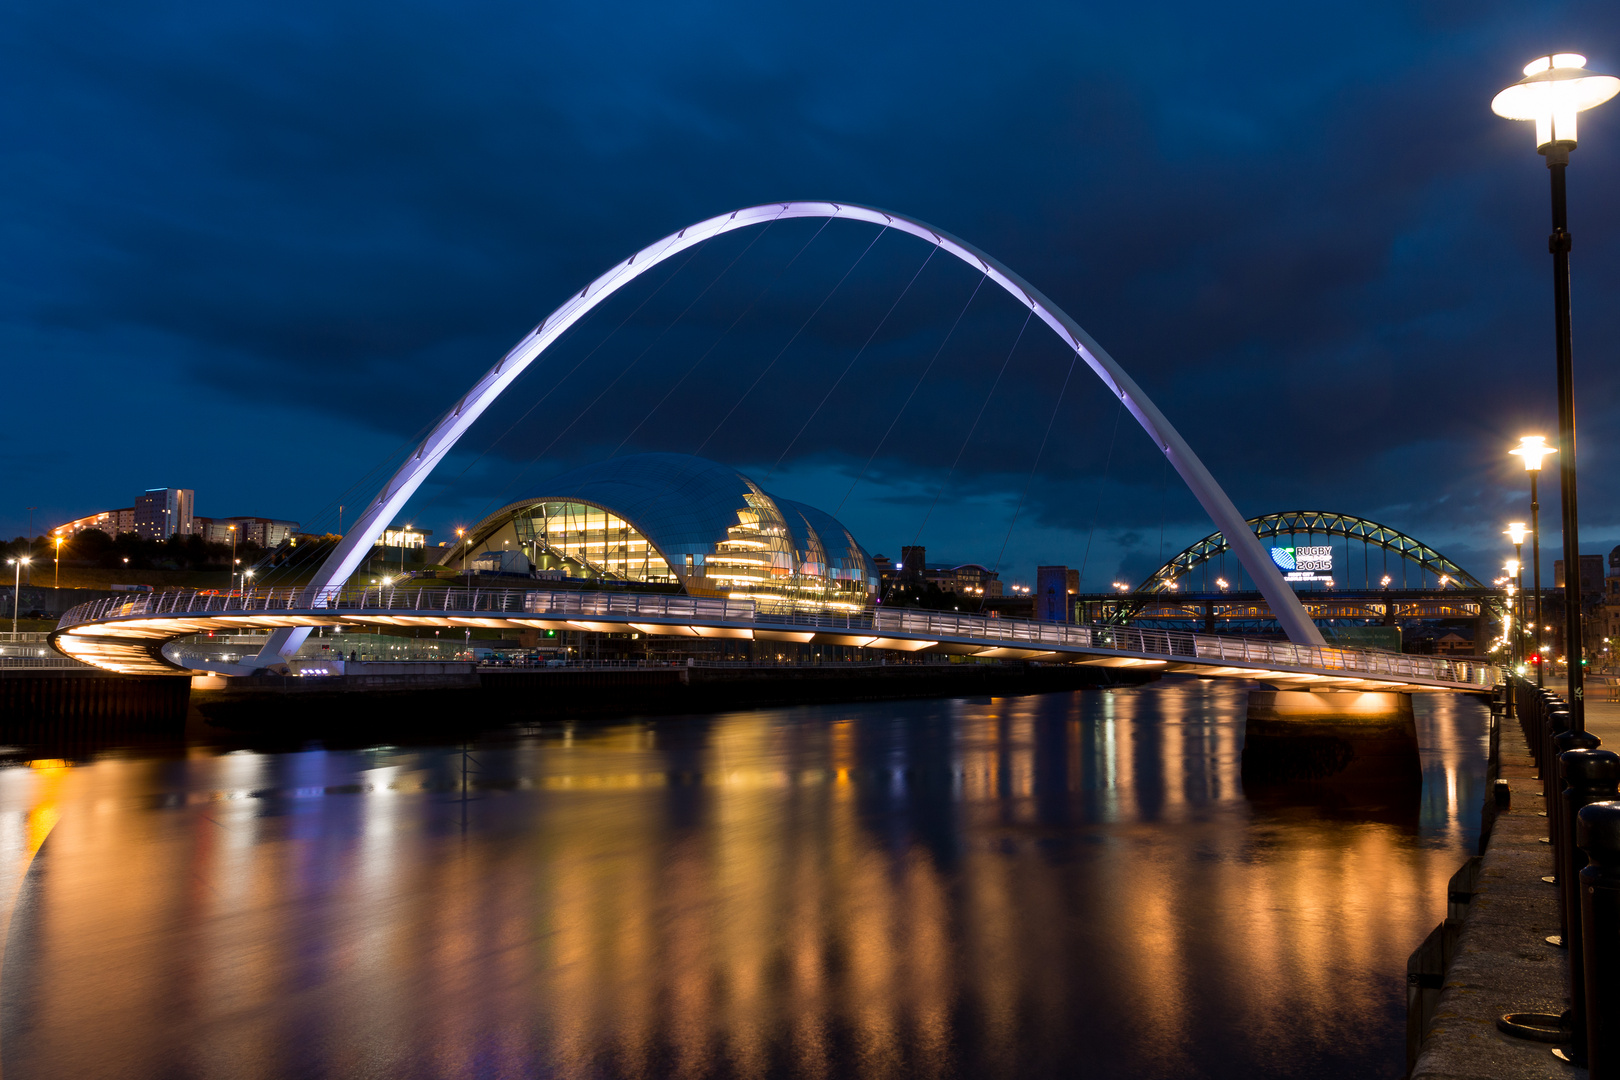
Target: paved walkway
1503,962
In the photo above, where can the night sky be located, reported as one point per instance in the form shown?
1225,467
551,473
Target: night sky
253,250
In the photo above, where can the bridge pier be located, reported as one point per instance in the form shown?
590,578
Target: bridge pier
1337,738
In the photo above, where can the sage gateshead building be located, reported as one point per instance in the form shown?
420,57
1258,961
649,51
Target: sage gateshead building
674,519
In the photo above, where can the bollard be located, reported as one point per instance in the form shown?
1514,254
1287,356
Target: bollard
1561,826
1591,776
1598,834
1557,721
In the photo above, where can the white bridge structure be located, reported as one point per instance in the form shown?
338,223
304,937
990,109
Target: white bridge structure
127,635
131,635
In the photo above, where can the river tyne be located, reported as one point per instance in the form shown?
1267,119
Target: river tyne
1057,885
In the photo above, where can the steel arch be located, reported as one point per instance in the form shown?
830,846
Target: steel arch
351,551
1312,521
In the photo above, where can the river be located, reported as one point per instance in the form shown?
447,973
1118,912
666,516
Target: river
1056,885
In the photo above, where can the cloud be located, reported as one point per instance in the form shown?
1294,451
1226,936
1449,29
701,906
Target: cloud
319,223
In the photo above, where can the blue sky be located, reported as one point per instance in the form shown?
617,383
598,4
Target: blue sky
252,249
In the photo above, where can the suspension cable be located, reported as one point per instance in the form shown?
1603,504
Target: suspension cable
963,448
914,388
1107,465
847,367
1019,509
790,341
723,334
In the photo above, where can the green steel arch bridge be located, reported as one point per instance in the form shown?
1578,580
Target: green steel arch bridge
1212,549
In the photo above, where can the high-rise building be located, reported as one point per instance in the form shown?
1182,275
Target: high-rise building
163,512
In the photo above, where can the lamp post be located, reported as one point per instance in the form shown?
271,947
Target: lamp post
56,583
1516,532
1511,568
461,537
1553,91
16,590
1533,448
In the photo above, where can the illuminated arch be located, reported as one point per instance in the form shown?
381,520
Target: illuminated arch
1214,546
354,547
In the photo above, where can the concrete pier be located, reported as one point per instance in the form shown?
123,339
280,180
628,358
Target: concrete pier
1330,737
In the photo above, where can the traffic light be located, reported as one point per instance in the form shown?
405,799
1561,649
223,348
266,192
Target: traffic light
551,633
1535,658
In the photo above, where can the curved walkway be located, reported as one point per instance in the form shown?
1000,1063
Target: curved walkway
128,635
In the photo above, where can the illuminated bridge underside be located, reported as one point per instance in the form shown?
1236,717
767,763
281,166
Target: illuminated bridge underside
1311,522
129,635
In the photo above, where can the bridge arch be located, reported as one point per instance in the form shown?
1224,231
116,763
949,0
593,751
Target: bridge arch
353,548
1313,522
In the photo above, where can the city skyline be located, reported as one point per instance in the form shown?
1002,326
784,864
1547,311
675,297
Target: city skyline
300,262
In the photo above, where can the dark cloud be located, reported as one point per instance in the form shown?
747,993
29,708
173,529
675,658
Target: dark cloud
252,249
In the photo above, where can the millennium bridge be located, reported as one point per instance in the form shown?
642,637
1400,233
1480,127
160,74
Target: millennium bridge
130,635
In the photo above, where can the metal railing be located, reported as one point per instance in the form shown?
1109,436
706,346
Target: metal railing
686,610
42,663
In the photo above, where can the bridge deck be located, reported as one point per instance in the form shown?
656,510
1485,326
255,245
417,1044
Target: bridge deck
128,634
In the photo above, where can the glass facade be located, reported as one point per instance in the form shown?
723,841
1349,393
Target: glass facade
587,541
676,519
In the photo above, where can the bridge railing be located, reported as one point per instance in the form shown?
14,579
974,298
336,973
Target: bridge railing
678,609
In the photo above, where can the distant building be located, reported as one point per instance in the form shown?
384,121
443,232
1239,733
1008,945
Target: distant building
111,522
160,513
1591,575
1452,643
163,512
265,532
1055,589
404,536
969,578
1594,606
1611,607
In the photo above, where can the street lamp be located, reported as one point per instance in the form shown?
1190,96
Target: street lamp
1533,448
1510,629
1553,91
461,536
56,583
16,590
1516,532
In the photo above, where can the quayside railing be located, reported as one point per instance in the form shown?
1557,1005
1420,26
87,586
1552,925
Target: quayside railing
878,622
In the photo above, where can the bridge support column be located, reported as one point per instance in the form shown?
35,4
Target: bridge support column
1338,738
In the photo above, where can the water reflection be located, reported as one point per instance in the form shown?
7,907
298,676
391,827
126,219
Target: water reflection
1036,886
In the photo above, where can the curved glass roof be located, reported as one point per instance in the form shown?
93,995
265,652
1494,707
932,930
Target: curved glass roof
690,506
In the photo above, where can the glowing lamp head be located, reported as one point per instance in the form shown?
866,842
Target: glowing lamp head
1554,89
1533,448
1512,567
1516,532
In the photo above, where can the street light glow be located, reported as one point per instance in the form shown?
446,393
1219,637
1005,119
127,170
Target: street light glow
1554,89
1533,448
1516,531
